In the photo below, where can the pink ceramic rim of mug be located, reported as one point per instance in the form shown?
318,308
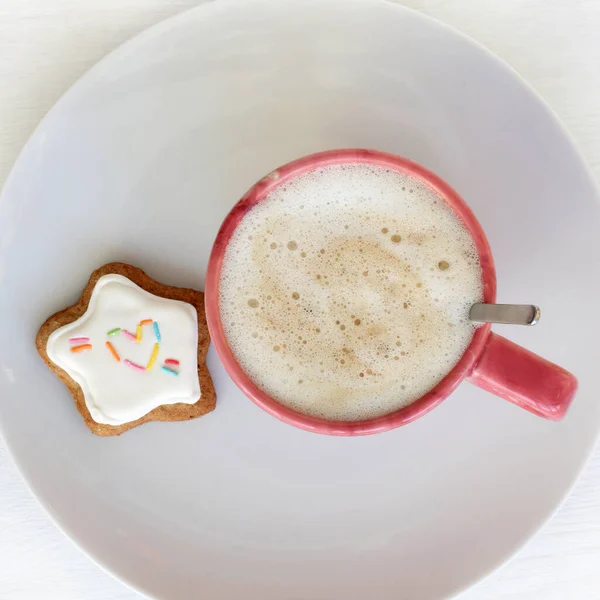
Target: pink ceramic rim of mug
261,190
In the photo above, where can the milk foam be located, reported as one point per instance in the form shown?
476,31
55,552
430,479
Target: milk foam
345,293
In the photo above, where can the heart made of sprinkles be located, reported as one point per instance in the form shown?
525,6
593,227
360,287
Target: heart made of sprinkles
170,365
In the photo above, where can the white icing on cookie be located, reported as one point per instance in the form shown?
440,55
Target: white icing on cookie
118,387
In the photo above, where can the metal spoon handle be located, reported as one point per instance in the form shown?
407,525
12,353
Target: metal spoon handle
513,314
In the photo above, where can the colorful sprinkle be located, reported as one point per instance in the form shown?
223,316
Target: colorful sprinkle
153,356
128,334
81,348
170,371
79,340
113,351
114,331
133,365
171,361
146,322
138,334
156,331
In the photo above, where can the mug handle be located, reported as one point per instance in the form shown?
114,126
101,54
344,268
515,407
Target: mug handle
524,378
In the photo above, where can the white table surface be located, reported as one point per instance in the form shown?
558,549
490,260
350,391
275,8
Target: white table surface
45,45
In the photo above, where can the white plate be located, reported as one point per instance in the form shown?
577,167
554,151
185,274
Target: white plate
142,159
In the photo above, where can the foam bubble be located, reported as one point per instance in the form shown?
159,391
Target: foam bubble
362,278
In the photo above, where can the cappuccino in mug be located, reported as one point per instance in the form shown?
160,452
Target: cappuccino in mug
345,293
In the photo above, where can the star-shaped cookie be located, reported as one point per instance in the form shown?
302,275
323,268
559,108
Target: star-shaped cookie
131,350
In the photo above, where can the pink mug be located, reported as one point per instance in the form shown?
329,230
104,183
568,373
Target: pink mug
490,362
